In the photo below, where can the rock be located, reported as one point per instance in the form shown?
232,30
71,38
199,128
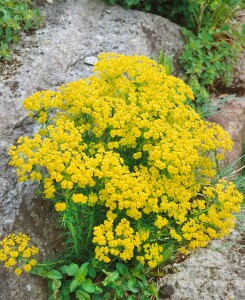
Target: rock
215,273
28,287
239,75
71,31
166,291
231,117
90,60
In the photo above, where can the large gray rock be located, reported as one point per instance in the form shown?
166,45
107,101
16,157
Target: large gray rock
73,33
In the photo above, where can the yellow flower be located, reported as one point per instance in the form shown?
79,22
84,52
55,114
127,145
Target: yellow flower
18,271
26,253
27,267
60,206
32,262
14,253
161,222
79,198
11,262
137,155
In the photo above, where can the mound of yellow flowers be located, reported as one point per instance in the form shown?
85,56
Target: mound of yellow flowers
131,169
16,252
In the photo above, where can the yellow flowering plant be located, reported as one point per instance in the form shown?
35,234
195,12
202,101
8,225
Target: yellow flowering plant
17,254
132,170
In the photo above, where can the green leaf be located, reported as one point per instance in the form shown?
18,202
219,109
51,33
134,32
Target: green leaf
70,270
122,268
111,277
160,9
88,286
80,295
74,284
147,293
119,292
132,285
39,271
139,267
139,275
8,33
107,296
97,297
56,284
83,270
132,2
167,253
131,297
65,293
147,6
98,290
91,271
114,276
154,290
53,274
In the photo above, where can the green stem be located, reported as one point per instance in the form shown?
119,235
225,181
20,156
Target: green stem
90,228
217,163
70,225
73,233
50,264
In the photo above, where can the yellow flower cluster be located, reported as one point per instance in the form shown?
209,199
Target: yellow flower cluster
152,254
16,252
212,217
112,240
79,198
124,140
60,206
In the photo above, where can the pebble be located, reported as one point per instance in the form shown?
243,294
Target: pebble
90,60
28,287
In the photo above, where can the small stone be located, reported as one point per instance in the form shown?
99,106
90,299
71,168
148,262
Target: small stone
28,287
90,60
50,1
166,291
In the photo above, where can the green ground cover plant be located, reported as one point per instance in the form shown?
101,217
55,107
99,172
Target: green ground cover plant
134,176
15,16
211,51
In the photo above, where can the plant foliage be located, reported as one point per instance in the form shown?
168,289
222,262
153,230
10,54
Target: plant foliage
15,15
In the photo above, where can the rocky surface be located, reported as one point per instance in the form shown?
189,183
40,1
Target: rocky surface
71,36
214,273
231,116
